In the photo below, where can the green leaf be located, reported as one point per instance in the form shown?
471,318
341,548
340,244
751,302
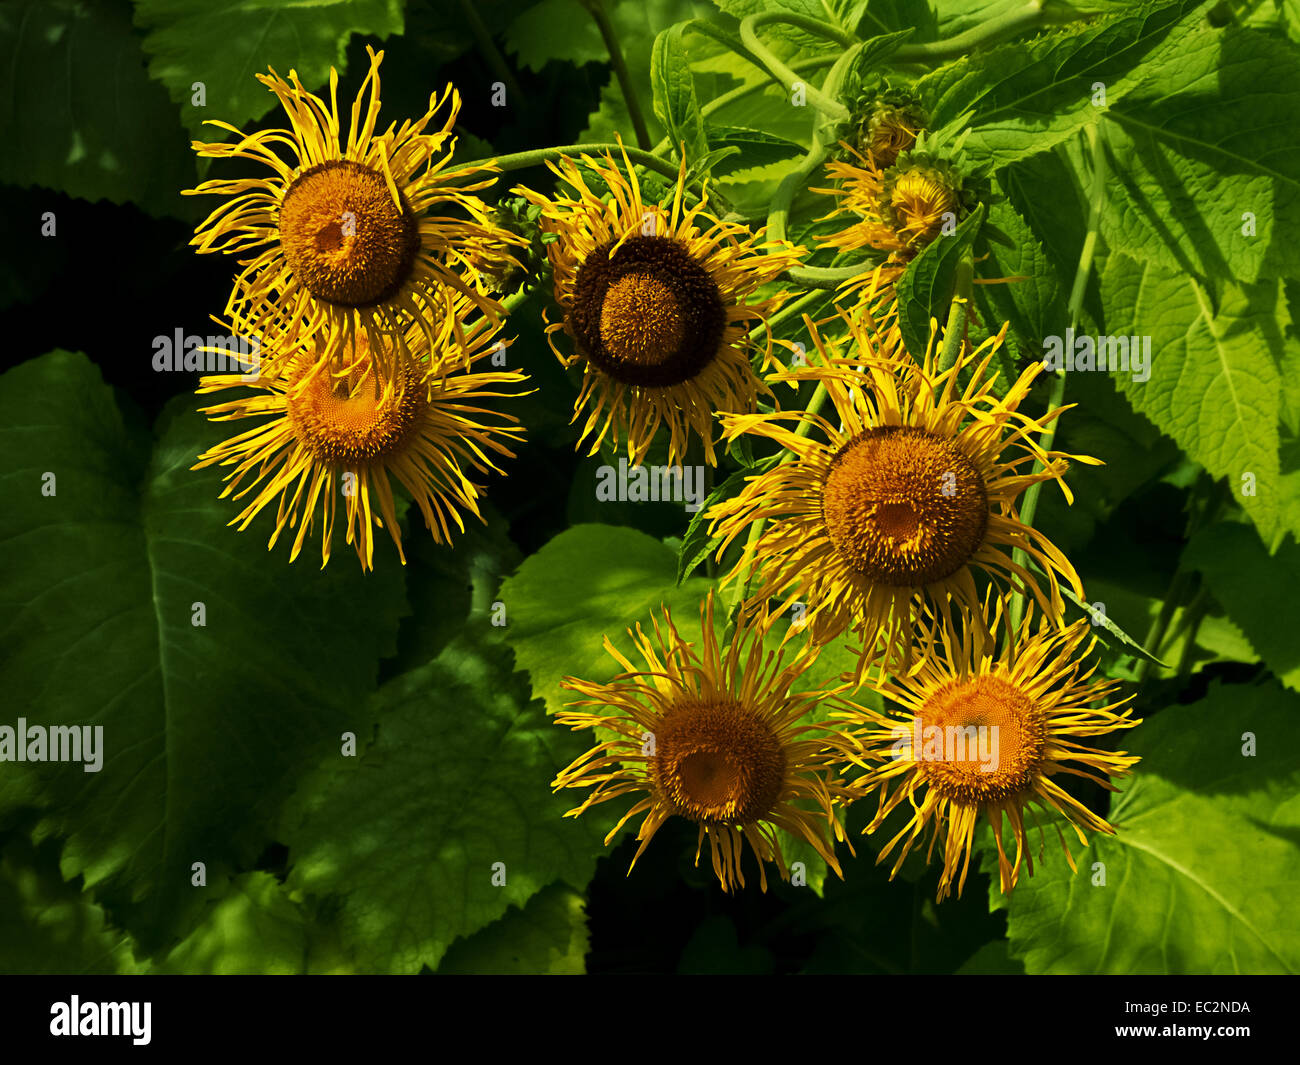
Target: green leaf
1200,877
79,112
756,148
1261,593
449,586
1214,387
254,35
1102,620
638,23
925,290
549,935
48,926
1024,97
1059,221
253,930
992,959
697,544
205,727
675,103
561,30
586,583
1035,306
1206,149
454,794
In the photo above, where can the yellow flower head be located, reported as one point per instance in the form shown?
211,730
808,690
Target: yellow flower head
658,301
899,209
717,736
986,732
321,437
355,238
899,496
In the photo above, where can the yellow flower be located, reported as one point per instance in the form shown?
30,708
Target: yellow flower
899,209
355,239
983,731
898,497
859,189
717,736
659,302
323,436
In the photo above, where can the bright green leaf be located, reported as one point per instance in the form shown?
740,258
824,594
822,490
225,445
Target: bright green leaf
589,582
254,35
254,929
1201,873
675,103
1205,158
454,794
1213,386
1024,97
102,577
925,290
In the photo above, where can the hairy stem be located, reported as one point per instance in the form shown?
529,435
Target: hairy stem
955,330
1012,22
741,592
780,71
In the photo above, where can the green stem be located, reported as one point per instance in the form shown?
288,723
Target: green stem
729,98
1012,22
954,331
827,276
488,49
779,212
805,22
598,12
787,312
1029,508
1207,505
1190,623
782,200
780,71
741,592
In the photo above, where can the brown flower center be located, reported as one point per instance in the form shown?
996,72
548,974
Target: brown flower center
640,321
904,507
344,237
348,421
980,740
647,313
718,762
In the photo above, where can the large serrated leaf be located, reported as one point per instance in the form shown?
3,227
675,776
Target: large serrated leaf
1027,96
1200,875
447,820
925,290
205,727
254,34
1206,158
1213,387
